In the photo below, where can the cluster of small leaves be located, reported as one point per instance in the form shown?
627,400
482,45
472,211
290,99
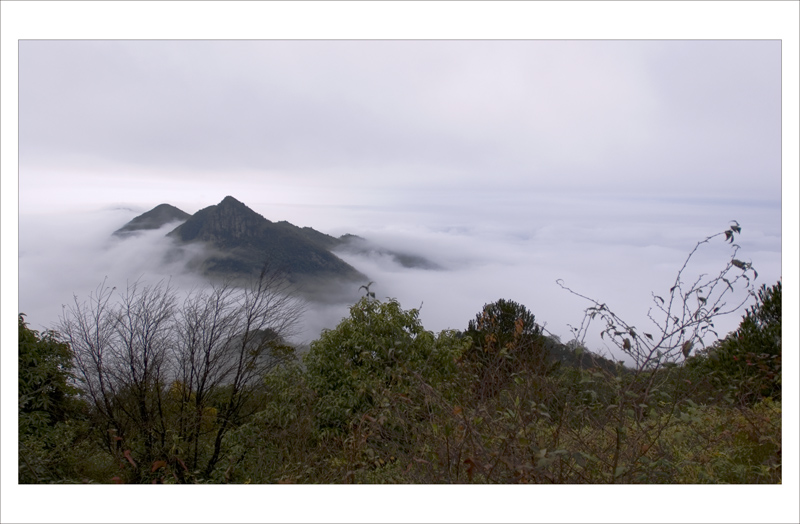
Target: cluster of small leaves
686,315
712,444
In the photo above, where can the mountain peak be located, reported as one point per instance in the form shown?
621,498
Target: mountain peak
155,218
229,200
244,240
228,221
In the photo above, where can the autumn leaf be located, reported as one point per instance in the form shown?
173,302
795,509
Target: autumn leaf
127,455
470,468
739,264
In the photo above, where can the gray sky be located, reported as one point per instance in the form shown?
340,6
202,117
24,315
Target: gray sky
510,162
326,120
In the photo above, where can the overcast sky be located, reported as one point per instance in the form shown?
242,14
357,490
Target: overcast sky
344,121
511,163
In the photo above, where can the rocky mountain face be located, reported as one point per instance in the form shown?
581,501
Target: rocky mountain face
227,224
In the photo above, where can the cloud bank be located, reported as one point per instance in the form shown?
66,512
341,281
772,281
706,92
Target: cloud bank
617,252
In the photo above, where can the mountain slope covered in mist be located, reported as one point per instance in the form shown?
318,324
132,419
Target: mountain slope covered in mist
242,241
239,241
157,217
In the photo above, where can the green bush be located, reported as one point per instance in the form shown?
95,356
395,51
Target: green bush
745,366
49,410
379,351
505,339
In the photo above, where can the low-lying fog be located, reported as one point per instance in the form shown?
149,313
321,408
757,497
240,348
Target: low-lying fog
616,251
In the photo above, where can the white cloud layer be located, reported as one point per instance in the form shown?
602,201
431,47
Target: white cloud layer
617,251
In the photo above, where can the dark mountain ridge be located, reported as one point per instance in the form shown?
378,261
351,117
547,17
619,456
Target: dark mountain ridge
243,241
157,217
239,242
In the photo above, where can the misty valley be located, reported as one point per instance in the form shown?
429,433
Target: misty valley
155,384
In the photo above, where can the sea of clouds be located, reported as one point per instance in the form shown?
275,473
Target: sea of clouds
616,251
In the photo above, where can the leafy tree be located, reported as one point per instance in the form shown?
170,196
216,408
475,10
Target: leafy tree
381,350
506,339
377,377
503,320
276,444
46,402
45,373
746,365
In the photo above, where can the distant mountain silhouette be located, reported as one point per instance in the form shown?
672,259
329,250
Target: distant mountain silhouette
155,218
242,241
239,242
